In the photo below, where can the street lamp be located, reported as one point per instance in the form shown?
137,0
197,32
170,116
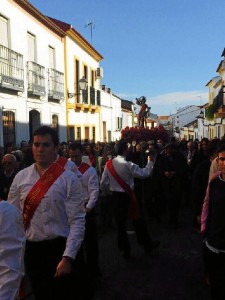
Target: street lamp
82,86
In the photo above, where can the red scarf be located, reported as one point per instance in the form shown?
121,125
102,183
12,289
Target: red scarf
134,212
40,188
83,167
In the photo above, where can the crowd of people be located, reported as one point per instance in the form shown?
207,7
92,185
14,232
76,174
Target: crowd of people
58,187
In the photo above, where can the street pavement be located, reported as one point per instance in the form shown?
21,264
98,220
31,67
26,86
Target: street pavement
173,271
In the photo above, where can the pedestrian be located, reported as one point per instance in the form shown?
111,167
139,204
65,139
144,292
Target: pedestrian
50,198
12,244
7,174
90,183
174,181
118,179
213,228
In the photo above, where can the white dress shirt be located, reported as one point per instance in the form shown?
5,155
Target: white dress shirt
127,171
12,243
90,184
60,212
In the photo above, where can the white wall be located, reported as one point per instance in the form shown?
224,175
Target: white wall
20,22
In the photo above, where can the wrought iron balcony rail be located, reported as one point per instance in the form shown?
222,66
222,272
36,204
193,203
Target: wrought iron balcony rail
95,97
98,98
11,69
55,84
36,79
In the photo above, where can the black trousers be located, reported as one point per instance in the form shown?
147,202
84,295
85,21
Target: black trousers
215,266
91,243
41,260
121,205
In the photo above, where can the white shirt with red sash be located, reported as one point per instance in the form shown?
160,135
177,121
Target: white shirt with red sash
12,244
127,171
90,184
60,213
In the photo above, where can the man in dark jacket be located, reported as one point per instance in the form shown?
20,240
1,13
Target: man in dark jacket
7,174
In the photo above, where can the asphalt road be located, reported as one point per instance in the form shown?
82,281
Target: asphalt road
173,271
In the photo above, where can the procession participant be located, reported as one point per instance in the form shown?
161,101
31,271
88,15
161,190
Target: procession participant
90,183
12,244
118,179
213,228
50,198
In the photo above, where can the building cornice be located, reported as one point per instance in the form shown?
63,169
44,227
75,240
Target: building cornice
78,38
29,8
83,43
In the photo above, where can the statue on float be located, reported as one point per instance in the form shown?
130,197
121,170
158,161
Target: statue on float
144,111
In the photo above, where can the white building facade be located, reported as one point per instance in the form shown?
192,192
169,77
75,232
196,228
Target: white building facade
32,91
82,61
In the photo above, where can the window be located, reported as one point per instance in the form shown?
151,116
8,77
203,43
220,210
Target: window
31,47
77,77
92,78
4,39
78,133
86,72
51,52
118,123
8,119
93,134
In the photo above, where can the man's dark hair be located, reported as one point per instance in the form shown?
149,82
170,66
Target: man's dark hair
221,148
76,146
121,147
46,130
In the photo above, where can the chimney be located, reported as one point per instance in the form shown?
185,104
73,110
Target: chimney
103,87
108,90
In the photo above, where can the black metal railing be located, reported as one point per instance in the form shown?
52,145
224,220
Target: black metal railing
11,69
36,78
98,98
55,84
85,96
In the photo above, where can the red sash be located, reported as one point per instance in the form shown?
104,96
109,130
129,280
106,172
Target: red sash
134,212
83,167
40,188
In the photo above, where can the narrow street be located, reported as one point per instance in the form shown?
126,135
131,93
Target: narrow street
172,271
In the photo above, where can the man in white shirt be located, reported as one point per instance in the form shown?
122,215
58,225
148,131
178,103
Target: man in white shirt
118,178
51,200
12,244
90,184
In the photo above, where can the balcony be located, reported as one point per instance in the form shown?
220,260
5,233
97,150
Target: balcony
36,79
55,85
11,70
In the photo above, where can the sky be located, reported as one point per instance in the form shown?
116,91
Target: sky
165,50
